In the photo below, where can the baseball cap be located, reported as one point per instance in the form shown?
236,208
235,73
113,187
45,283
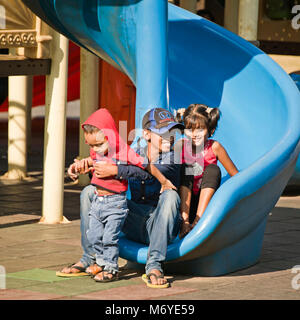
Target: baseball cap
159,120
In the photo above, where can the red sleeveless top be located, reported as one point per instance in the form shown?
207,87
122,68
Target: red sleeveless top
198,162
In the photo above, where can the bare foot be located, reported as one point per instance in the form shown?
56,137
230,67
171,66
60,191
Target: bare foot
93,269
71,269
105,276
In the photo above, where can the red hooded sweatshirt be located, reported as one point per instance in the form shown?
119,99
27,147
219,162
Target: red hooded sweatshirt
119,152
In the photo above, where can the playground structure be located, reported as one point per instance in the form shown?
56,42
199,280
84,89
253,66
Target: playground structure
172,70
27,38
272,28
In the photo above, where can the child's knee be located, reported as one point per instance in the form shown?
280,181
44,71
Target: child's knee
170,197
211,177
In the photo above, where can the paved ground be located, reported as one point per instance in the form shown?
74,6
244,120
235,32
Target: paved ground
32,252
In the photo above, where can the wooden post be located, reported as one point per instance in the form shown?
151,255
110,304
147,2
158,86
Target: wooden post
190,5
231,15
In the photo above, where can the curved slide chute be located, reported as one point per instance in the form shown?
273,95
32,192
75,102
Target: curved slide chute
207,64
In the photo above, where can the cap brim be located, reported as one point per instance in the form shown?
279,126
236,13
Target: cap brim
167,128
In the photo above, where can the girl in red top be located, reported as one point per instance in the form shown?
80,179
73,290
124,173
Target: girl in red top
201,176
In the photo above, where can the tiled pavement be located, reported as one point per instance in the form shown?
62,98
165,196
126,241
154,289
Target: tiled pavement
32,252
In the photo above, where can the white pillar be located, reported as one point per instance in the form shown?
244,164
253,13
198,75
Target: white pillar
89,99
190,5
248,19
55,132
241,17
20,103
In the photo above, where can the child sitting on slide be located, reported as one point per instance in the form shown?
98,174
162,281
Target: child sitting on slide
200,154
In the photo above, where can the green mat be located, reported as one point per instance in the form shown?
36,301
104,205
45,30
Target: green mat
36,274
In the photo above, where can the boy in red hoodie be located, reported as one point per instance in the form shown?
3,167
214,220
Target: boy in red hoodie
109,207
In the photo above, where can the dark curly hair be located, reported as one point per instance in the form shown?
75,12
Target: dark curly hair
199,116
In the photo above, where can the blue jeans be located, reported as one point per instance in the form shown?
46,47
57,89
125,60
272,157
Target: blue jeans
160,223
155,226
107,215
86,198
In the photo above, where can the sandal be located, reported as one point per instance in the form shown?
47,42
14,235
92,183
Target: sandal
105,278
81,272
147,280
93,270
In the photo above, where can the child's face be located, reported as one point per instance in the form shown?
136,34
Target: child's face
162,143
97,141
198,136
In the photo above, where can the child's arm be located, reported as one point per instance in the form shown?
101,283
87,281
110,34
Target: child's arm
224,158
185,196
138,160
165,183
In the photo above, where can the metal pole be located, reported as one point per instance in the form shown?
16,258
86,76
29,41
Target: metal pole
89,99
55,132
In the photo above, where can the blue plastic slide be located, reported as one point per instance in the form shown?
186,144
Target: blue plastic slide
176,58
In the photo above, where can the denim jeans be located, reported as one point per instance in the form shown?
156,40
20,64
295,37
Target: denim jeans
155,226
107,215
161,222
86,198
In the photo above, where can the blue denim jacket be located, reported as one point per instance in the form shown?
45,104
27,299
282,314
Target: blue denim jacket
145,188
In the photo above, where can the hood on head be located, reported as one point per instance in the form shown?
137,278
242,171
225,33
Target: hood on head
118,148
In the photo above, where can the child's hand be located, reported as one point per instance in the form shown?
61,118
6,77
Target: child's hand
167,185
104,169
185,229
196,220
73,174
82,166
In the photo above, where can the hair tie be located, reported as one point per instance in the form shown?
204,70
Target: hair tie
181,111
179,115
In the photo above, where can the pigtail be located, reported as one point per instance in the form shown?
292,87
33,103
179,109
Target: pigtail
180,115
213,118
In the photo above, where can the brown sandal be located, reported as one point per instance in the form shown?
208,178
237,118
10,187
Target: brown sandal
105,277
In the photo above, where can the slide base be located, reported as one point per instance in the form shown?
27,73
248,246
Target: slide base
239,255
